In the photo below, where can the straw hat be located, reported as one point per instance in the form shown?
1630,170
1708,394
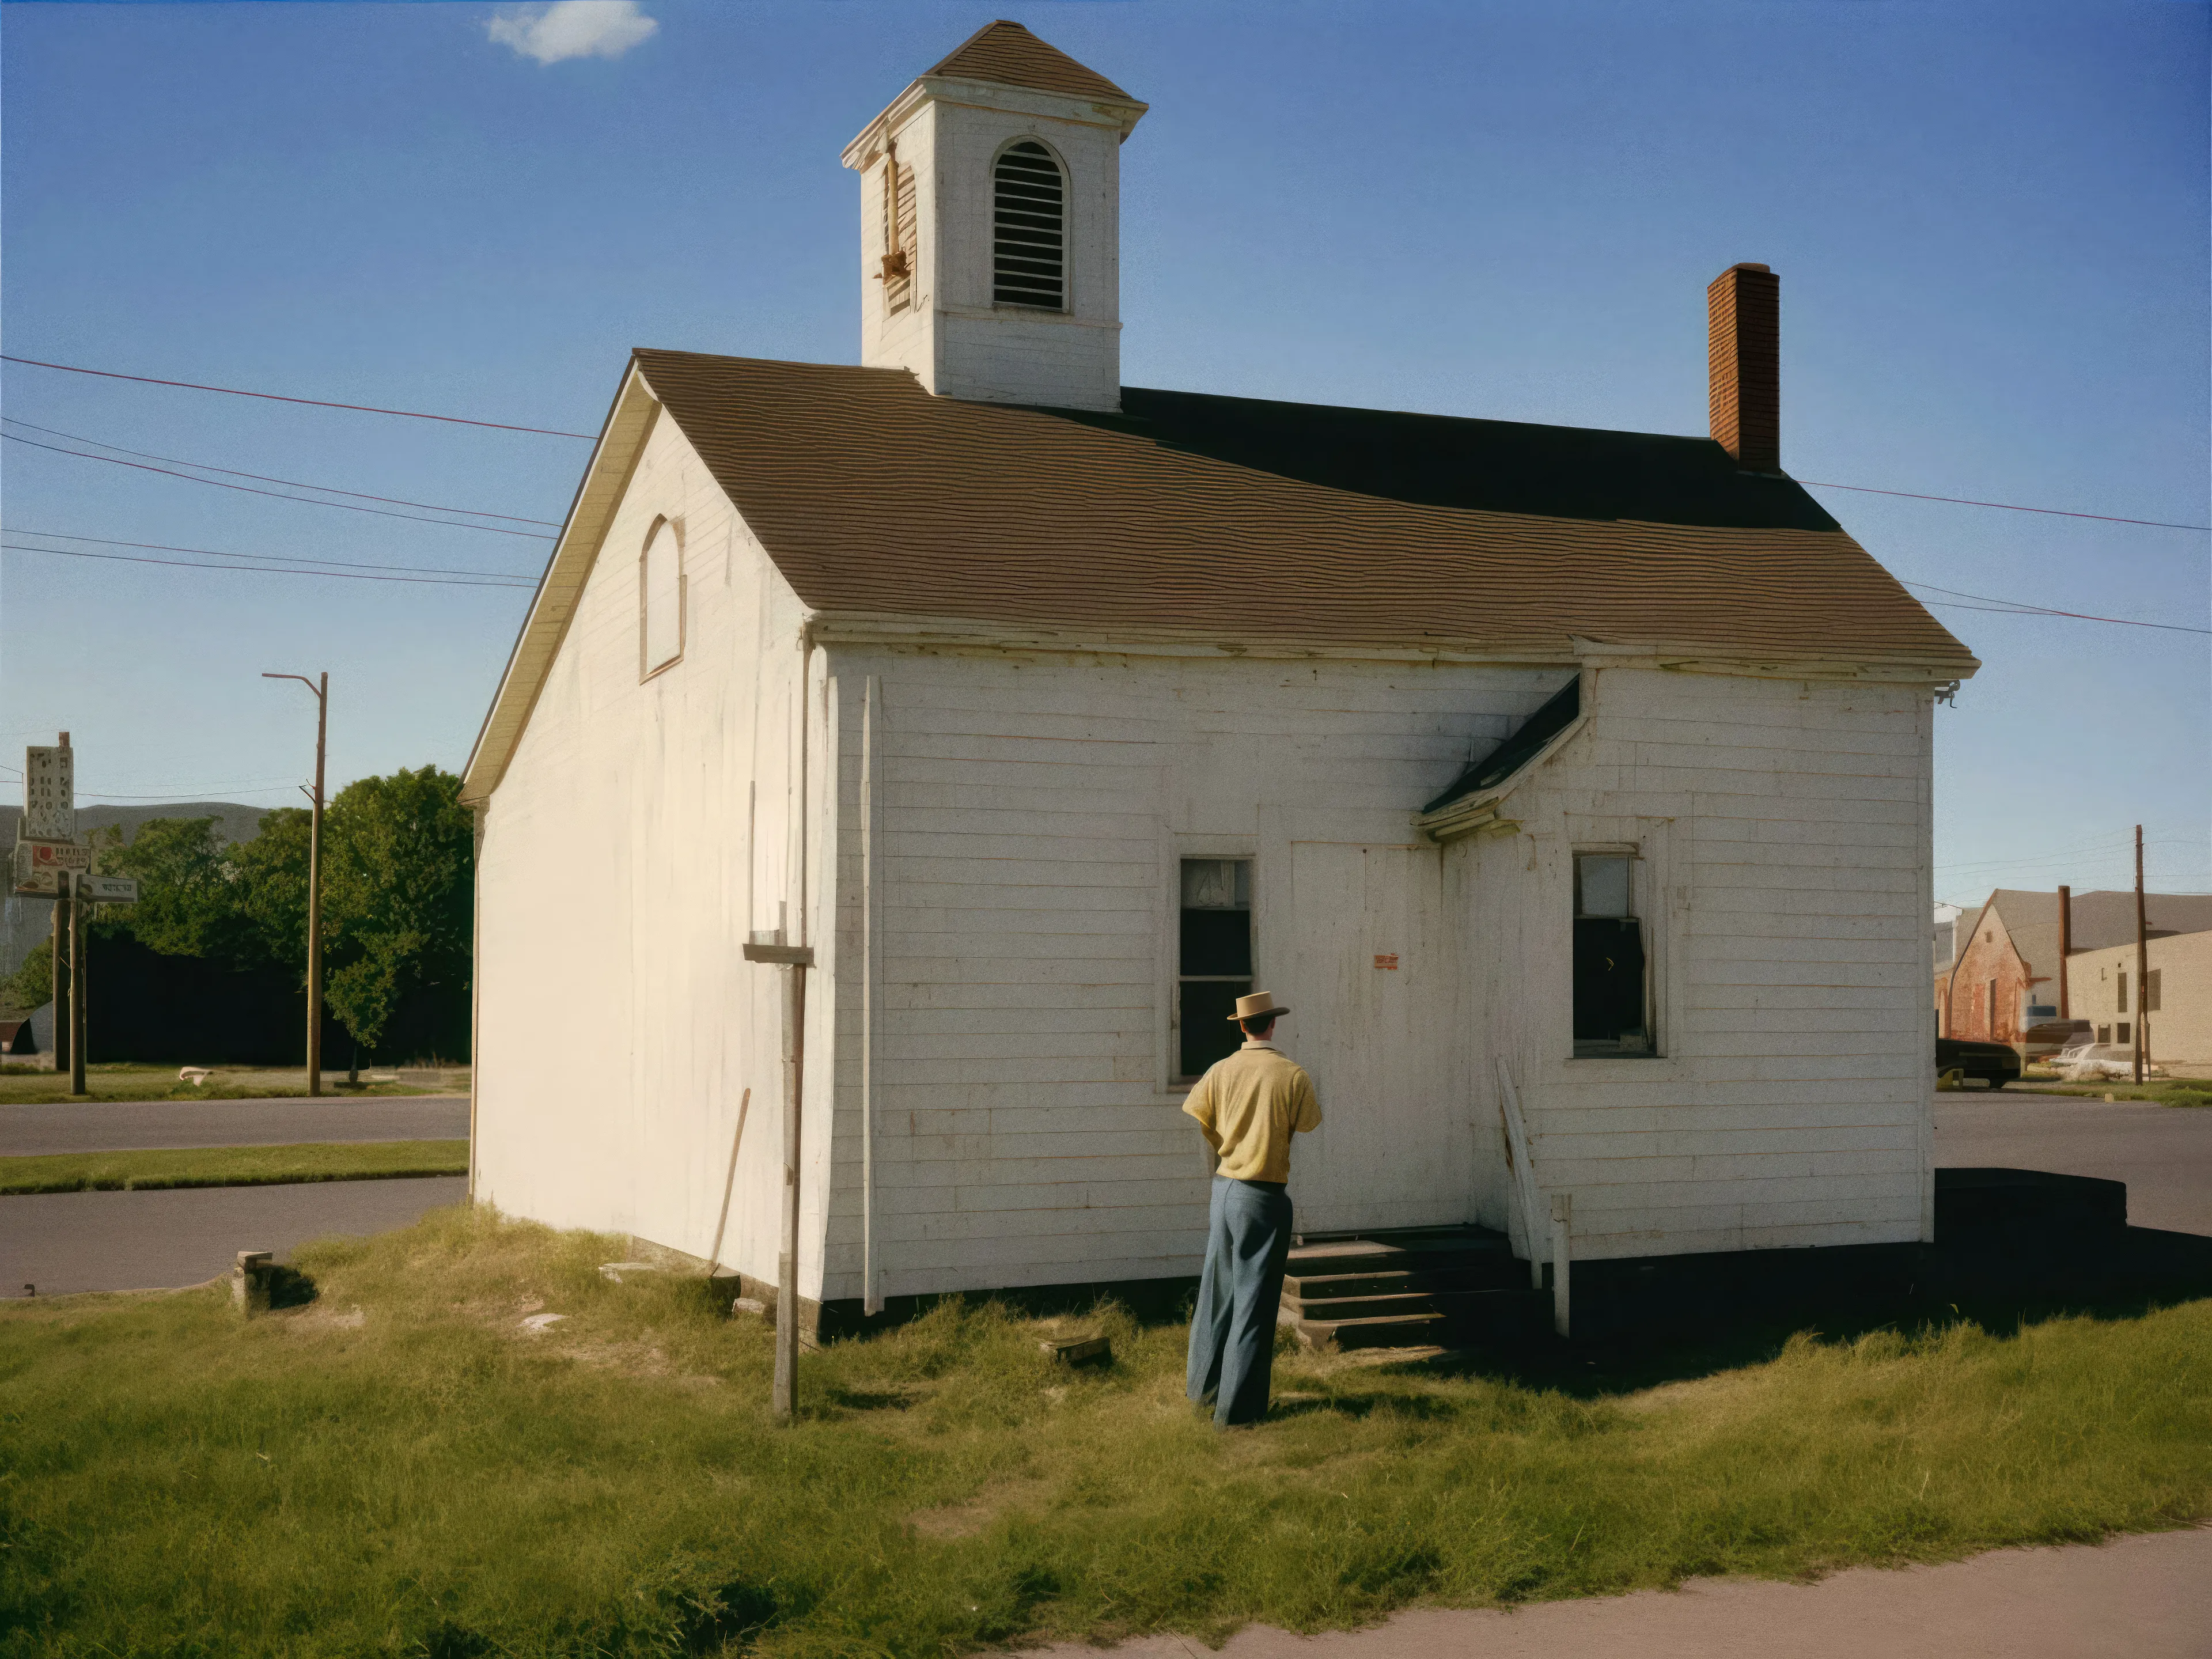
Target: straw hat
1261,1005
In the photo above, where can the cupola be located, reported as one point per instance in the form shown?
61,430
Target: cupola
990,234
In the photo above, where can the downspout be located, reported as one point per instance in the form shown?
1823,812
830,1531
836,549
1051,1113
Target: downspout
871,1278
476,983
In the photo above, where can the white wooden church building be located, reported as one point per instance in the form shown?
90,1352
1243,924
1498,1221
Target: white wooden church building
1054,714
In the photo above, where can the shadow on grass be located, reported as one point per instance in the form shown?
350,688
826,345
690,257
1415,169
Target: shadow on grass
1999,1284
290,1288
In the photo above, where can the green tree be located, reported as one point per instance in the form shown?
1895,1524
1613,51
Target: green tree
188,894
271,875
32,985
398,897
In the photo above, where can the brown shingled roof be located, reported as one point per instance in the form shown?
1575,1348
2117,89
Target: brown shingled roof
1238,520
1010,55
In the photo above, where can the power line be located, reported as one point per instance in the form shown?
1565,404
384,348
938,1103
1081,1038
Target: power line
267,570
328,489
263,558
319,403
2008,507
141,467
2021,607
590,437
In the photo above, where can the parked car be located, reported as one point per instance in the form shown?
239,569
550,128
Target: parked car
1995,1063
2050,1036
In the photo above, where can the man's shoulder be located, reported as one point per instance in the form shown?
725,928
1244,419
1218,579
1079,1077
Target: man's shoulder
1273,1061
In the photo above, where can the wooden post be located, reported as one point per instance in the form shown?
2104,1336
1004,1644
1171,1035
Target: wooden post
57,980
1563,1222
2142,968
321,687
795,960
315,897
75,984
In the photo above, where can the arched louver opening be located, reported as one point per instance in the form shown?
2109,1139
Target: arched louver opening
1029,229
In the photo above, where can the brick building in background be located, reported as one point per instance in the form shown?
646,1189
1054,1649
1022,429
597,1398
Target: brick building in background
2006,976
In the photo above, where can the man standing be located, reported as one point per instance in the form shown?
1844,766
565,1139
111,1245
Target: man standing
1247,1106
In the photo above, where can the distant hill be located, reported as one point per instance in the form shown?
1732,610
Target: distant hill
25,921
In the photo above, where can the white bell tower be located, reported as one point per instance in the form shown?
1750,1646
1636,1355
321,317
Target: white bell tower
990,226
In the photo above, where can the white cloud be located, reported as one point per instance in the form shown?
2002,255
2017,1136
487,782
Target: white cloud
573,28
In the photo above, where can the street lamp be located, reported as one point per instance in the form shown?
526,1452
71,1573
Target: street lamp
321,687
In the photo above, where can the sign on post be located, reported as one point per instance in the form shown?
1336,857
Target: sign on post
33,884
108,889
49,794
55,854
39,866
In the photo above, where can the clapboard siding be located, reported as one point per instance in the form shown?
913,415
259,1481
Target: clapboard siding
1788,1106
618,1030
1031,808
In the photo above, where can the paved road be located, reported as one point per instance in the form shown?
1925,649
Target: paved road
2163,1152
124,1126
64,1241
2146,1597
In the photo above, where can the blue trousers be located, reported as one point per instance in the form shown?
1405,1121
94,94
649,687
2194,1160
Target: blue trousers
1232,1329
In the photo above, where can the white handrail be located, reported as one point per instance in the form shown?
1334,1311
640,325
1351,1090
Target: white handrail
1524,1171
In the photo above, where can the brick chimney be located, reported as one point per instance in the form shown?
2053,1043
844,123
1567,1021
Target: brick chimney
1744,309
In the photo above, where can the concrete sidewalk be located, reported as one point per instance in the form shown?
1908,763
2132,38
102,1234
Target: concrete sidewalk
2148,1596
143,1125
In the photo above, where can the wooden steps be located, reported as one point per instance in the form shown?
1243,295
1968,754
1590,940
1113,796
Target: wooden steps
1406,1287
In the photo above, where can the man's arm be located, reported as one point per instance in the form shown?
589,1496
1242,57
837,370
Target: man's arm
1198,1103
1305,1104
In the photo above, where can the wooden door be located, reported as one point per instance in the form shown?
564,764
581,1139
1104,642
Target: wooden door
1358,961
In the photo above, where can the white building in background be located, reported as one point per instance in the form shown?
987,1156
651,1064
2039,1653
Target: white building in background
1054,714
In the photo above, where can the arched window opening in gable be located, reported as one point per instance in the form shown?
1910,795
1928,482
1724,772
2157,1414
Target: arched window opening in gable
660,599
1029,228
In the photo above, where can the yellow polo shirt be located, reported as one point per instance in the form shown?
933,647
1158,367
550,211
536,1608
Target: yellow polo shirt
1248,1106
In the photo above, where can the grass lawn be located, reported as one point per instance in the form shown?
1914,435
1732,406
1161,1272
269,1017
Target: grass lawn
2177,1091
23,1085
401,1466
231,1166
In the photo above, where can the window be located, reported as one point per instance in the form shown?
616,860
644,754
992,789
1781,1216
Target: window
1028,231
1214,961
2121,1006
899,251
2150,997
1611,987
660,599
2124,1032
2103,1034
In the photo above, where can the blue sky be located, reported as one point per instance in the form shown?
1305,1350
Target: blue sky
1990,223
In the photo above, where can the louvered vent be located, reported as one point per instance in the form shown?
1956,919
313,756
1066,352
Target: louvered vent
898,238
1029,236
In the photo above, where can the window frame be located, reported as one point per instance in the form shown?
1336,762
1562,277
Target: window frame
645,670
1643,897
1066,306
1178,1079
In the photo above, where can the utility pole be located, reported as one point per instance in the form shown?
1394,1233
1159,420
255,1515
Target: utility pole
794,960
77,903
321,688
2142,968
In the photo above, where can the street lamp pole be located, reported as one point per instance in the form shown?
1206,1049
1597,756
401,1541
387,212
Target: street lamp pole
321,687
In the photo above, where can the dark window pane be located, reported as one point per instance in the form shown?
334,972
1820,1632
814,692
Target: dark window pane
1207,1034
1608,979
1217,941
